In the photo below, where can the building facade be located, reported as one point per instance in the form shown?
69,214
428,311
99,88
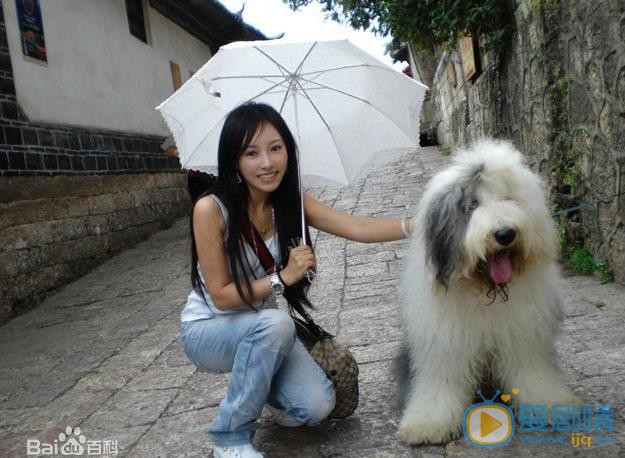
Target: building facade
82,171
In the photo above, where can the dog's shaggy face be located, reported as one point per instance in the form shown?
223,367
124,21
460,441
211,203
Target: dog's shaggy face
486,219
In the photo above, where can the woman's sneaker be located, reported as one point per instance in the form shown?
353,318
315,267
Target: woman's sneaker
236,451
280,417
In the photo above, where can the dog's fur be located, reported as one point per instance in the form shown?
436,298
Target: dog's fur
462,327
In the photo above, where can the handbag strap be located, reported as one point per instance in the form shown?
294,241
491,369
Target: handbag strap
269,264
256,241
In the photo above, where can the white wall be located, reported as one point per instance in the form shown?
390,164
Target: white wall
98,74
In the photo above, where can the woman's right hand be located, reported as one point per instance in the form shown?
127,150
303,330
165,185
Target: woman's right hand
301,259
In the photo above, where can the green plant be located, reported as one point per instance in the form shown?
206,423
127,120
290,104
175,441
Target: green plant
603,269
561,83
572,177
550,6
520,15
599,304
539,54
560,220
567,171
445,150
582,261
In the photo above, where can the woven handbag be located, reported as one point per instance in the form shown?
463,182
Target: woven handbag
337,362
335,359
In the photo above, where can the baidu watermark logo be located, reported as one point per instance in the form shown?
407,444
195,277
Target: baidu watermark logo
71,443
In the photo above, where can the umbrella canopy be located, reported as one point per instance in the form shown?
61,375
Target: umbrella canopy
342,105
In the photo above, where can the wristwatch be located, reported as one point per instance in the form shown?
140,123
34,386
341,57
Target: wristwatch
277,287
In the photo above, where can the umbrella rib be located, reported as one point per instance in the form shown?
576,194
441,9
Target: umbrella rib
286,95
228,77
360,99
324,122
345,67
316,109
265,91
330,88
279,83
280,66
266,78
261,77
299,67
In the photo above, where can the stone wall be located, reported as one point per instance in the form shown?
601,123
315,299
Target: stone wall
559,95
28,149
54,229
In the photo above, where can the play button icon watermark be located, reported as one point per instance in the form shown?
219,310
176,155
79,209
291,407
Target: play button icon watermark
487,424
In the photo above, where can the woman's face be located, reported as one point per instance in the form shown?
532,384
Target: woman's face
263,164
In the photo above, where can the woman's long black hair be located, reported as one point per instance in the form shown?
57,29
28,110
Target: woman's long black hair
239,129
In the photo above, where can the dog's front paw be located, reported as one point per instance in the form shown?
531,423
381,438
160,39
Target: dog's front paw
421,431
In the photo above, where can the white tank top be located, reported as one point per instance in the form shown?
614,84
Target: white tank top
197,308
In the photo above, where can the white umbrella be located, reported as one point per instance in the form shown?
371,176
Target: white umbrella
343,105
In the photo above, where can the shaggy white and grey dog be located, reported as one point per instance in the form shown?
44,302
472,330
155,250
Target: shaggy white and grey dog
480,292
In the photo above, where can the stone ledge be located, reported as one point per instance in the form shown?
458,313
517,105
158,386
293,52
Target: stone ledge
14,189
55,229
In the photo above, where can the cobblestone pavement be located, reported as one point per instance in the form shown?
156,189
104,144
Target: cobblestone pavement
103,355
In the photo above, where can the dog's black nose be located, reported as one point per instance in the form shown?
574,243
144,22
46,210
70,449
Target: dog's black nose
505,236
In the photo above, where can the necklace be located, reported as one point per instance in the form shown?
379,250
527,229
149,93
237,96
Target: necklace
273,224
263,231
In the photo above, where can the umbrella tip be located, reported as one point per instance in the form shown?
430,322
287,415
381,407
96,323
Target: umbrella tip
208,87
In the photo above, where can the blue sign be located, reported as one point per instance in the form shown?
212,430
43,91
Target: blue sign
31,29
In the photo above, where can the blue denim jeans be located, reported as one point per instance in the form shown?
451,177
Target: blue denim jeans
269,366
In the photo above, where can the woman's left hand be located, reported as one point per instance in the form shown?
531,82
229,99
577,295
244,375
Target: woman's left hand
301,259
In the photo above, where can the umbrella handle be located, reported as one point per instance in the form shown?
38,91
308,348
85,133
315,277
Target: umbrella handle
310,274
301,195
297,241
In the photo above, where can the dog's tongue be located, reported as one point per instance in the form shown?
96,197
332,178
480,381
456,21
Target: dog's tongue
500,267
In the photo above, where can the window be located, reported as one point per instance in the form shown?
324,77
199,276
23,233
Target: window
136,19
176,76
